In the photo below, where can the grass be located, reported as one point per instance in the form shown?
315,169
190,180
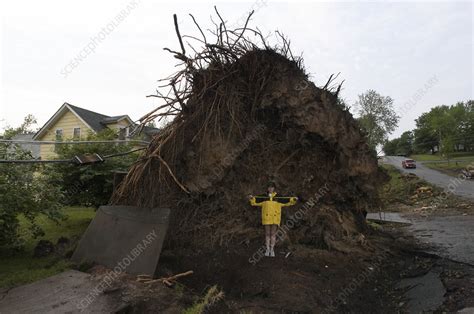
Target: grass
455,165
455,156
213,295
21,268
396,189
374,225
400,188
452,168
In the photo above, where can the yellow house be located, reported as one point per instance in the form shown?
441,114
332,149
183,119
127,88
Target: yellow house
71,122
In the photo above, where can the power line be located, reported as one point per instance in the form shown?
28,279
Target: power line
123,153
74,142
75,160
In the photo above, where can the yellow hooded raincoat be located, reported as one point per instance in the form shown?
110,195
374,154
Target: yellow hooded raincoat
271,207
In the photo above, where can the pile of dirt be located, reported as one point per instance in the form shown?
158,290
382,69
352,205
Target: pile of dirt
244,114
320,281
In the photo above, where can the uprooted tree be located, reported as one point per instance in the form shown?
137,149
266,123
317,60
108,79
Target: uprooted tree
243,113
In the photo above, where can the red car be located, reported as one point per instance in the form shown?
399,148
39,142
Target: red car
409,163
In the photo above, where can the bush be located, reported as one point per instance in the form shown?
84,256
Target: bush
90,185
24,190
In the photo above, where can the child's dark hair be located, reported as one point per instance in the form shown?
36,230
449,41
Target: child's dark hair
271,184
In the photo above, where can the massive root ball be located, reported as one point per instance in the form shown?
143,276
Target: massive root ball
244,114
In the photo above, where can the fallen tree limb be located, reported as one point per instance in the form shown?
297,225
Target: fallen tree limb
166,280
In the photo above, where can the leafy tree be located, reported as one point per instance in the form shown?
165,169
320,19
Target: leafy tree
405,143
402,145
90,185
376,117
426,139
25,127
390,147
463,115
446,146
448,128
23,190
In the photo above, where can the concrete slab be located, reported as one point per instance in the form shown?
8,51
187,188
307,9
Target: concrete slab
61,293
124,238
388,217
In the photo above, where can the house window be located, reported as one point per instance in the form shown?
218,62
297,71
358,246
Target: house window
76,133
59,134
59,137
123,133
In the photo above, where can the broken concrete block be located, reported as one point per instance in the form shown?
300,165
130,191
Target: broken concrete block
124,238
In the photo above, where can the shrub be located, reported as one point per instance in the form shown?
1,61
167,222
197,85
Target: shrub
90,185
24,190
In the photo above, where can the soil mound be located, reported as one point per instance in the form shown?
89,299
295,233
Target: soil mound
244,114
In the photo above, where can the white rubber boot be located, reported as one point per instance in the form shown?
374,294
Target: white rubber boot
272,253
267,251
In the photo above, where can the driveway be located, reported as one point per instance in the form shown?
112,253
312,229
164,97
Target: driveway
464,188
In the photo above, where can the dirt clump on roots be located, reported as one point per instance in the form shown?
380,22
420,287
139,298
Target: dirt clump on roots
241,114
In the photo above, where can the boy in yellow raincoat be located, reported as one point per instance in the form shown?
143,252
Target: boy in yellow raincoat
271,214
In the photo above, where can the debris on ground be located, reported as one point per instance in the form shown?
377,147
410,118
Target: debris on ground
169,281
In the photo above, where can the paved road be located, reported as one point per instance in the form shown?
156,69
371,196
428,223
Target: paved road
451,236
463,188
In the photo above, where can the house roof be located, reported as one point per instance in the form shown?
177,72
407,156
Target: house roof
94,120
148,130
114,119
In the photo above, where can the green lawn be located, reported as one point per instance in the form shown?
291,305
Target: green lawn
452,168
22,267
455,156
399,189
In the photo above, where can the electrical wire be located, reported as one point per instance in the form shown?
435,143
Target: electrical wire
73,142
58,161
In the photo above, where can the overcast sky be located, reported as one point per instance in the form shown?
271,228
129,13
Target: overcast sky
419,53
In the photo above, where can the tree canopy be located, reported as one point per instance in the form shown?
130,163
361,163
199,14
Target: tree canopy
376,117
24,190
444,129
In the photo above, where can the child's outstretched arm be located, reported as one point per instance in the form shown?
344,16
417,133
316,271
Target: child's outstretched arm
253,201
292,201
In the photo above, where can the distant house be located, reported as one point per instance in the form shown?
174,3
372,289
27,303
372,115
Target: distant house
34,149
75,123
